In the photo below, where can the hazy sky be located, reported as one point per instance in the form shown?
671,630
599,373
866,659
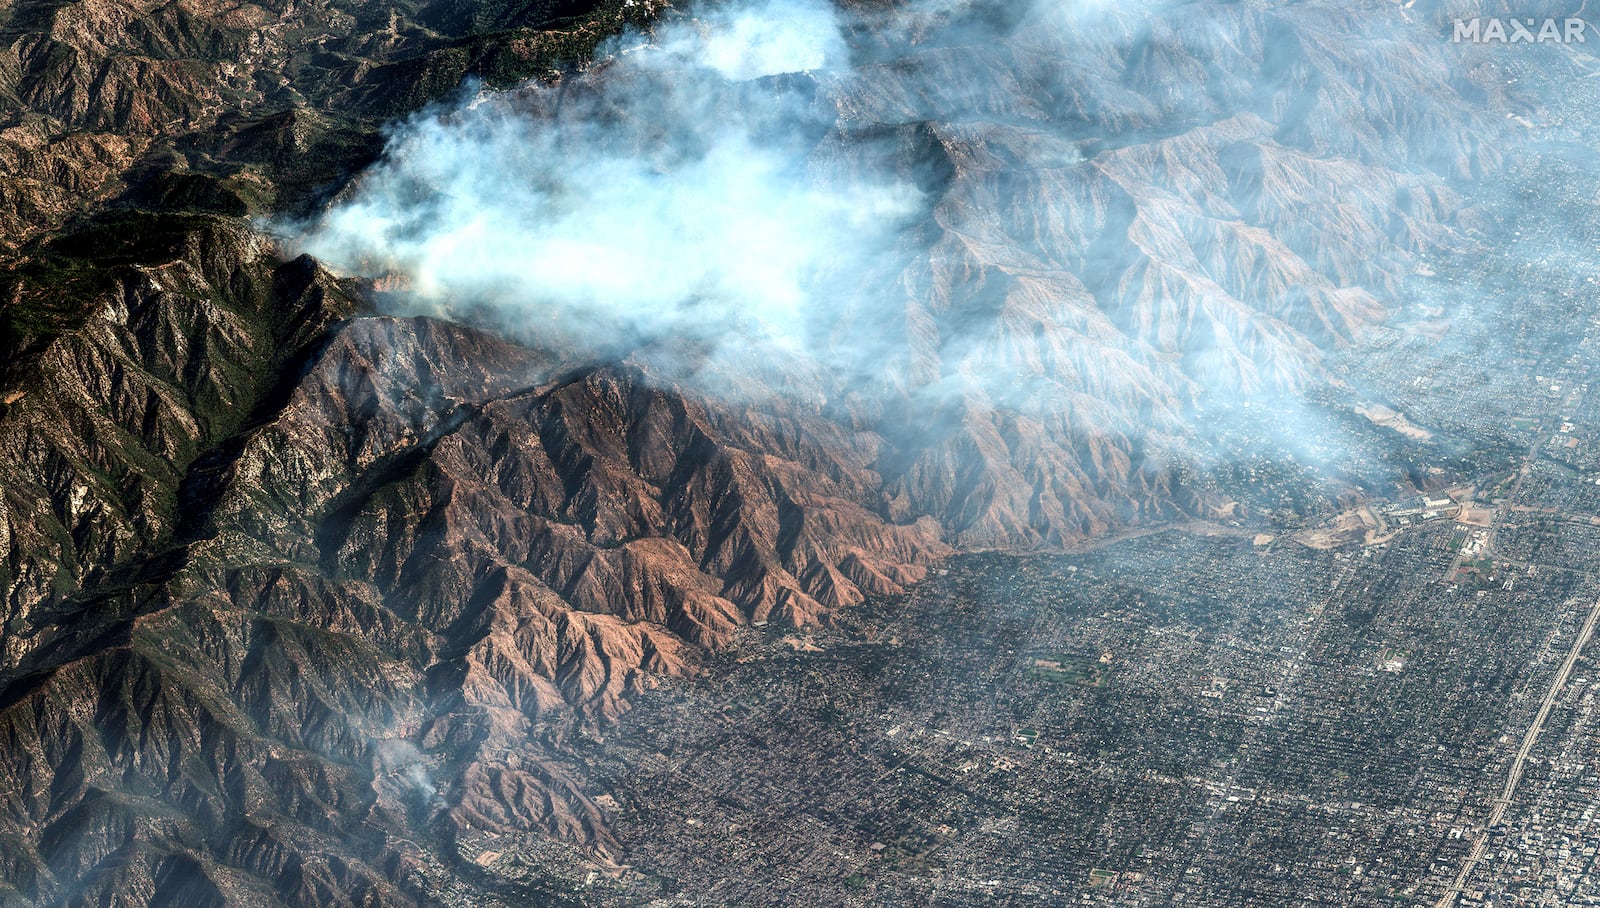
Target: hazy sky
905,200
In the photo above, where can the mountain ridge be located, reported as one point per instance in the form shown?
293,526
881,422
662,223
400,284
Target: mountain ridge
298,595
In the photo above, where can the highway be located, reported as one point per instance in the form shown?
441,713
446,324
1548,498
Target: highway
1515,775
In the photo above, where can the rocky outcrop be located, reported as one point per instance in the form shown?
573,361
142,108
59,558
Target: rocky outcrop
296,596
295,573
242,107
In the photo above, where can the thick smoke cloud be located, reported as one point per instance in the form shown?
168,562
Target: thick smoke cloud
724,181
668,193
1120,221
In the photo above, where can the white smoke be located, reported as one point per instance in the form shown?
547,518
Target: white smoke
761,39
421,780
407,764
745,179
661,195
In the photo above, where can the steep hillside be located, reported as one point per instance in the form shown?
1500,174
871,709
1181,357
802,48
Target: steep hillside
297,594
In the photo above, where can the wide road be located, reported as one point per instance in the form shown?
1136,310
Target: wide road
1515,775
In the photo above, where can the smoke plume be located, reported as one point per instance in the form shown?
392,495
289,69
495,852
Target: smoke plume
1122,223
669,192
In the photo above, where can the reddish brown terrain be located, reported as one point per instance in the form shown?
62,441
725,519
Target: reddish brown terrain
295,593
